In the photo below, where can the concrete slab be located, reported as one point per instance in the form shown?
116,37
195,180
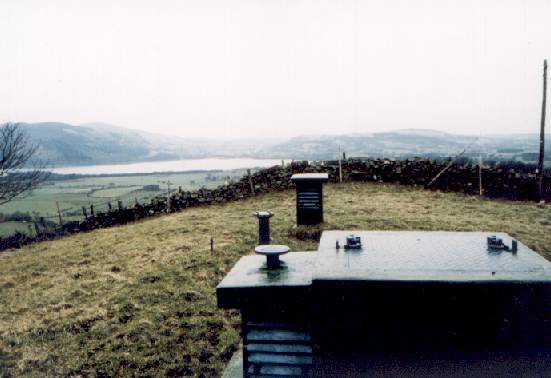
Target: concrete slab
250,280
426,256
234,369
395,304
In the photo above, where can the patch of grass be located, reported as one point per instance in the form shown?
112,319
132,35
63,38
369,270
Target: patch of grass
139,299
11,227
310,232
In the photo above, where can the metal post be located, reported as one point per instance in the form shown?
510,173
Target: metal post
264,226
542,133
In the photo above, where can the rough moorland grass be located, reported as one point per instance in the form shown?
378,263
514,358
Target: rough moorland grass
140,299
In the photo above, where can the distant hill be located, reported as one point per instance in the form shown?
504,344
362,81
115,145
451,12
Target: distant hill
408,143
99,143
62,144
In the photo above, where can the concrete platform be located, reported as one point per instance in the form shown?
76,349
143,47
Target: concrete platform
406,303
250,281
234,369
426,256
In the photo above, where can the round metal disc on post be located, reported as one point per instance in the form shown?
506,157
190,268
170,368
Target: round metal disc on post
272,253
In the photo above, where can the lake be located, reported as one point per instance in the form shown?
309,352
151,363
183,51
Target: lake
170,166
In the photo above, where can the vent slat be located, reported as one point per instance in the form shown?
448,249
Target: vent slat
277,335
280,348
279,359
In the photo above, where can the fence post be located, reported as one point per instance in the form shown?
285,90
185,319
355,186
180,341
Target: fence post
43,224
340,164
480,191
59,214
37,230
92,210
250,181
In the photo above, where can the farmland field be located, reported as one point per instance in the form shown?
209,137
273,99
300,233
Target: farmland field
99,190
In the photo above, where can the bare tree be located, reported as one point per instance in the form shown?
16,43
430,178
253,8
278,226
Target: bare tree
19,171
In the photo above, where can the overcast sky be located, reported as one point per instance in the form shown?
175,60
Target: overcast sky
276,68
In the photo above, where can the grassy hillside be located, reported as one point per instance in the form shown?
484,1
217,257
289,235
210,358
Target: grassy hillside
140,299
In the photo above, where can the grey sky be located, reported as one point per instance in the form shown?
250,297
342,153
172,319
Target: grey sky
260,68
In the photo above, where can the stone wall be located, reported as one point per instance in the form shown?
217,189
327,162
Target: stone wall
509,181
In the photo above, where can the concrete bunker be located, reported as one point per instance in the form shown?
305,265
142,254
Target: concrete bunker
397,301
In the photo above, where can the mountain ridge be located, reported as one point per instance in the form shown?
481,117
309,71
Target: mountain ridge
64,144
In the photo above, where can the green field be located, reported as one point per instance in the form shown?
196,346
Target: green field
139,299
98,190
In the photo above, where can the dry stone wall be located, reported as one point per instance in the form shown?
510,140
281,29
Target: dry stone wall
507,181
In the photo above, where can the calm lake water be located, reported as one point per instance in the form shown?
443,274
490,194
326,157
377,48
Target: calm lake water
170,166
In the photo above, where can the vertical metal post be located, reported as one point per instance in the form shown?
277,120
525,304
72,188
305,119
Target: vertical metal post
542,133
264,226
